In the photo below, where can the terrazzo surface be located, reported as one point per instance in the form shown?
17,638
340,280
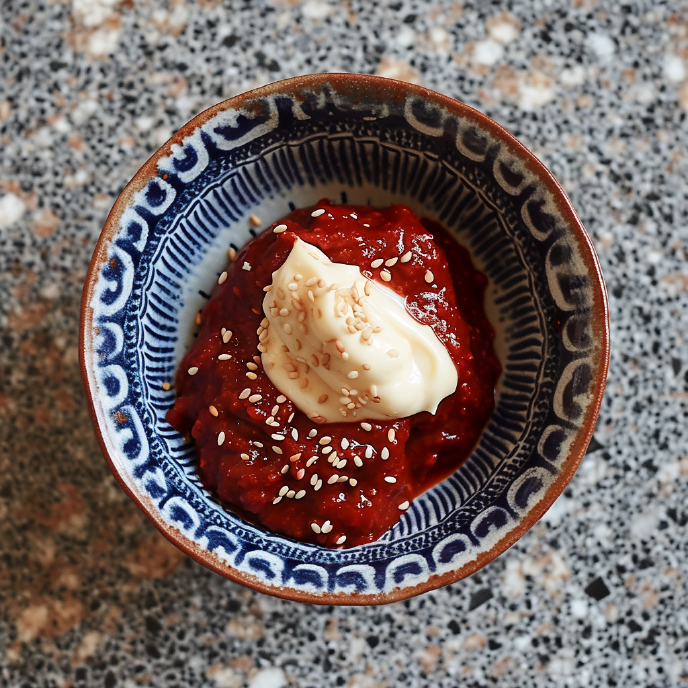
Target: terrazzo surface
594,595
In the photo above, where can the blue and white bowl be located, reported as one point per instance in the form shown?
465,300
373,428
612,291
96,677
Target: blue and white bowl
361,140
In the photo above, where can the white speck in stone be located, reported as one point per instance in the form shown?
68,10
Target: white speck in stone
406,36
315,9
12,208
601,44
144,123
674,68
487,52
502,31
579,609
570,78
270,677
536,91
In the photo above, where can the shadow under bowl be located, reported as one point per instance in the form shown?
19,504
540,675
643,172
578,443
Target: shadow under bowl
361,140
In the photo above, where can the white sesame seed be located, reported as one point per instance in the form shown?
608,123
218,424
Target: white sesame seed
326,527
352,375
393,353
341,540
369,452
290,494
291,417
283,490
300,494
314,479
391,262
246,266
318,212
226,336
429,277
221,439
325,440
245,393
293,286
390,479
391,434
193,370
316,528
281,399
295,434
258,444
406,257
312,433
255,398
384,453
231,253
277,437
318,485
310,282
221,279
376,263
327,450
251,376
332,479
277,500
367,427
342,478
285,469
213,411
300,473
404,505
385,275
251,366
311,461
279,228
224,357
345,443
358,461
353,482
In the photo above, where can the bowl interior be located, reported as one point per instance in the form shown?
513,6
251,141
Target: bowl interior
289,148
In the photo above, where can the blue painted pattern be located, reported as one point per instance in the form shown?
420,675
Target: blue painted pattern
239,163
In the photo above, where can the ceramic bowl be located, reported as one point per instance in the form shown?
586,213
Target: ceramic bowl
362,140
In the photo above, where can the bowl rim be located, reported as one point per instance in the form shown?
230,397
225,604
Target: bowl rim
357,84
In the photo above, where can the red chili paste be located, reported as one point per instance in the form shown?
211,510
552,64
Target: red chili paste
239,460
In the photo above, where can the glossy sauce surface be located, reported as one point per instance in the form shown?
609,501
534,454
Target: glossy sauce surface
334,484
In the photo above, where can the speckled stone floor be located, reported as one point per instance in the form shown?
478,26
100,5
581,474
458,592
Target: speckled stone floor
594,595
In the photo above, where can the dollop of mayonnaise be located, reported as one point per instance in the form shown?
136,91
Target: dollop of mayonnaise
345,349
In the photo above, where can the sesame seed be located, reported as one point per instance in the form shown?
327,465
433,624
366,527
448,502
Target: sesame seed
310,282
429,277
406,257
326,450
367,288
326,527
391,262
353,482
227,336
315,528
369,452
245,457
295,457
285,469
342,478
318,212
231,253
295,434
376,263
366,366
341,464
221,439
221,279
197,319
332,479
290,494
345,443
166,386
246,266
213,411
279,228
258,444
223,357
358,461
292,286
193,370
367,427
291,417
300,494
344,400
254,220
277,450
314,479
322,398
255,398
251,366
390,479
373,389
277,437
251,376
318,485
325,440
341,540
339,345
245,393
384,453
393,353
385,275
277,500
311,461
351,405
391,434
300,473
287,328
281,399
312,433
352,375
